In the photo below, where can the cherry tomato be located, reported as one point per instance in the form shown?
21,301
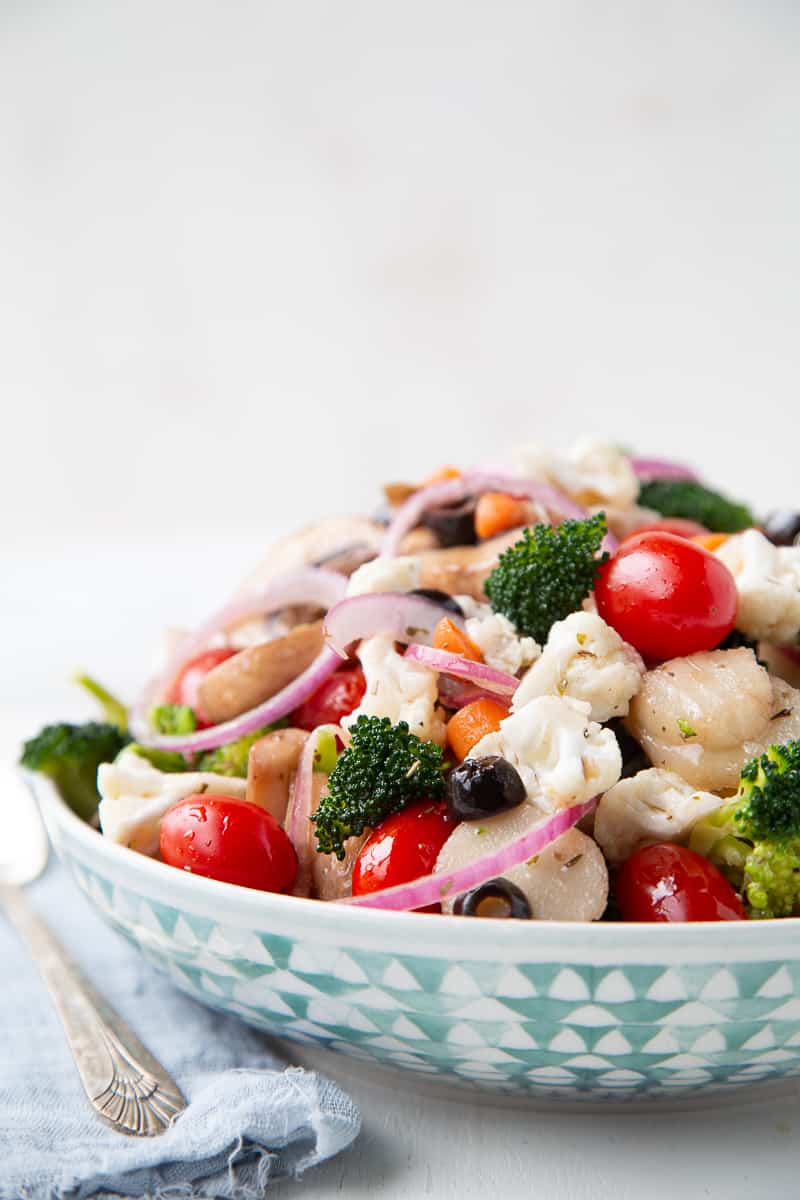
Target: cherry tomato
666,596
671,883
333,699
183,689
403,847
680,526
228,839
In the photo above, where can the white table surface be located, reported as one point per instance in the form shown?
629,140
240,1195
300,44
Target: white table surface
100,607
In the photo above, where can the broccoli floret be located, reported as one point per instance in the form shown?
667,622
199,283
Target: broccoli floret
769,794
384,768
231,759
718,838
70,755
547,574
755,838
169,761
772,879
173,718
687,498
114,710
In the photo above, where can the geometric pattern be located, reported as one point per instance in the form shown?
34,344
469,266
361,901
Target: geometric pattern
621,1027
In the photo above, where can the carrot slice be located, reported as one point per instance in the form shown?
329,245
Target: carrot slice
472,722
447,636
496,512
710,541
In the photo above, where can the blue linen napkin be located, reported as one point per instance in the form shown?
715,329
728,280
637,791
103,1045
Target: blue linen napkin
250,1120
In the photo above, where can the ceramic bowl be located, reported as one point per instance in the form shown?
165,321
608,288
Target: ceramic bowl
554,1009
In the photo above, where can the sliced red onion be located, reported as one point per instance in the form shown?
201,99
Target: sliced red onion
403,616
277,706
306,585
661,468
473,483
455,693
297,824
610,543
431,889
478,673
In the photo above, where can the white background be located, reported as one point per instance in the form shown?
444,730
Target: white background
257,257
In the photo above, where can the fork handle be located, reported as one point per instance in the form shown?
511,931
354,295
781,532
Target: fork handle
125,1084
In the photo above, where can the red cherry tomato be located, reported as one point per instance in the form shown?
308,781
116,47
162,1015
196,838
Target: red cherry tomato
183,689
680,526
403,847
228,839
333,699
671,883
666,596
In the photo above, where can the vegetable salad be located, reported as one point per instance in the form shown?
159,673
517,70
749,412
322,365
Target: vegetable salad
561,692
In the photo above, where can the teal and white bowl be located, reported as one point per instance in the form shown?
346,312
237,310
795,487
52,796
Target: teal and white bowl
553,1009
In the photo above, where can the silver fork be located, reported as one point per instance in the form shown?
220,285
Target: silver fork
125,1084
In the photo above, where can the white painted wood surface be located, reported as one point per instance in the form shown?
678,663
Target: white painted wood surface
419,1145
263,238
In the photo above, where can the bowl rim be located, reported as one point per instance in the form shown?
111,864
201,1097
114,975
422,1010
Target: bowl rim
607,936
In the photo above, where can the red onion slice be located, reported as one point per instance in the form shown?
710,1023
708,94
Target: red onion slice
297,824
431,889
479,673
661,468
277,706
455,693
402,616
306,585
472,483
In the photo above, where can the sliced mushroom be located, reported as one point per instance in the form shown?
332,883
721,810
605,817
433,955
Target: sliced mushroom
338,543
272,762
418,540
333,879
255,674
462,570
274,625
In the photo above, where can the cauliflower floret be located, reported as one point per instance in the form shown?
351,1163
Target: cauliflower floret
653,806
500,644
596,472
586,659
563,757
399,574
135,796
591,472
768,580
398,689
496,637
